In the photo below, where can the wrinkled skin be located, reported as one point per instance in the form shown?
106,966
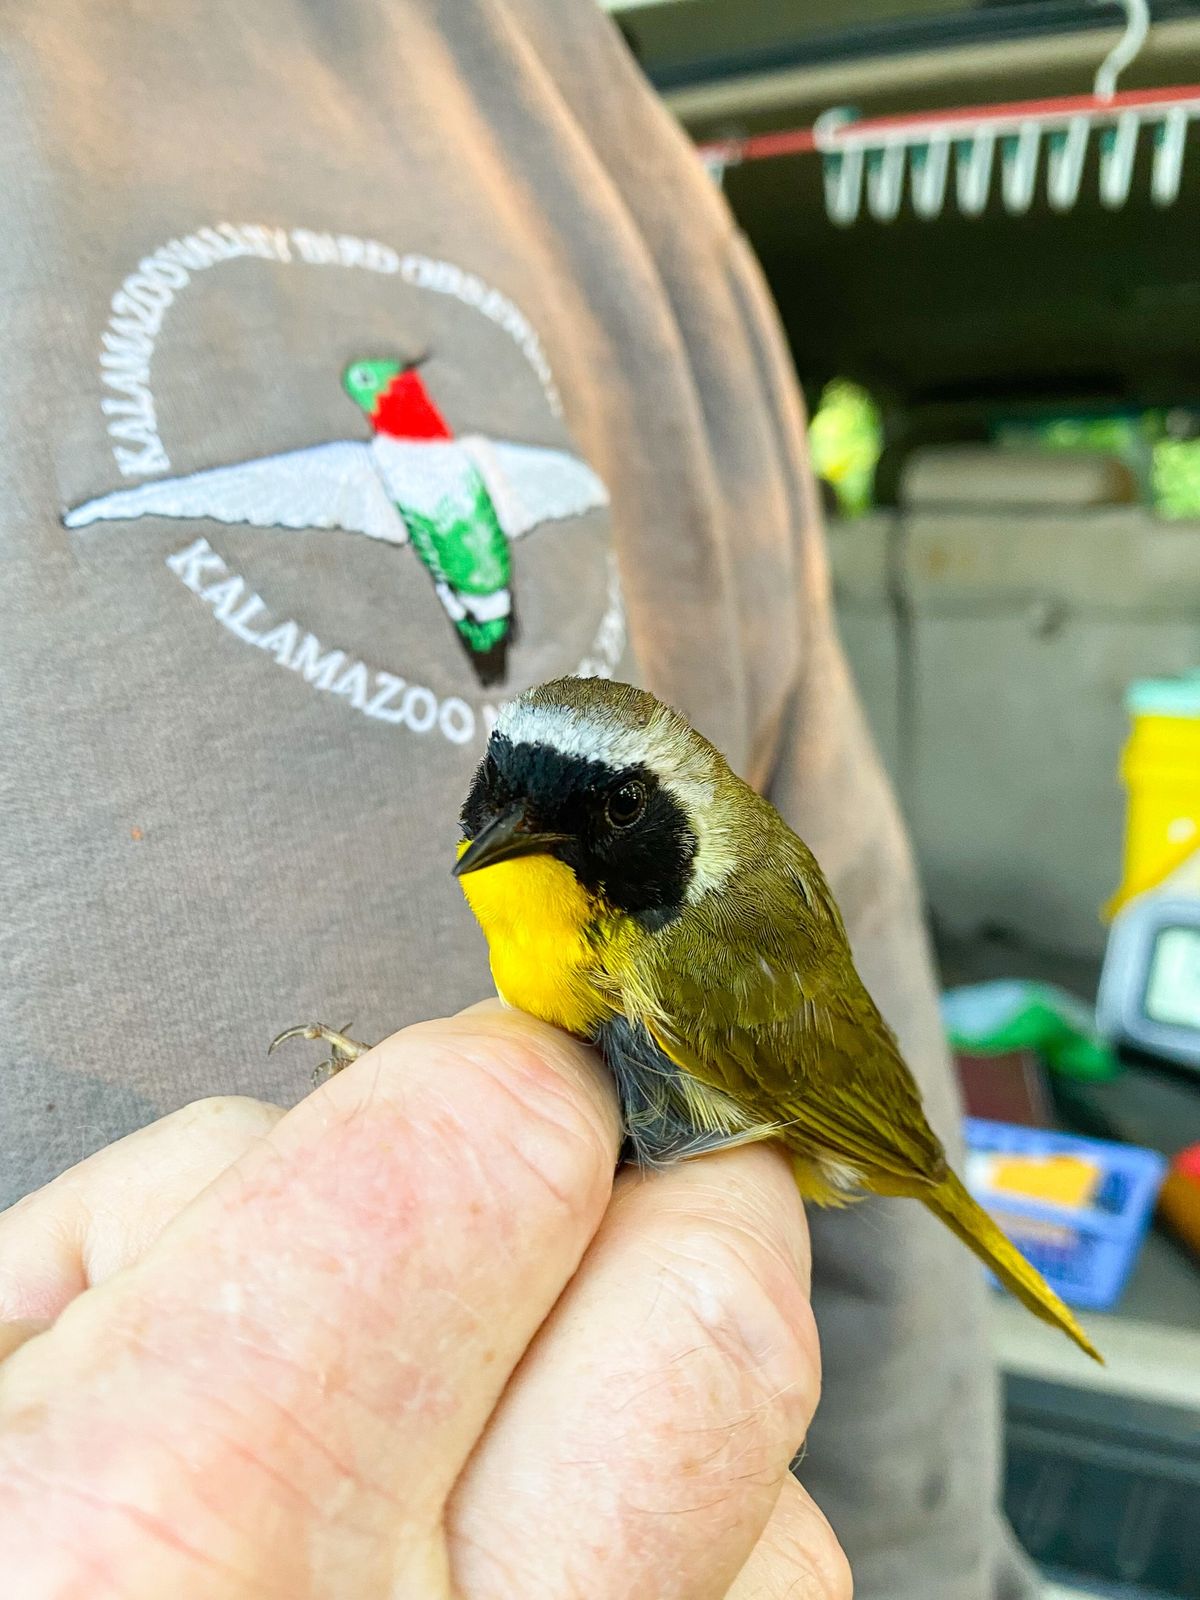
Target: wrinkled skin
405,1339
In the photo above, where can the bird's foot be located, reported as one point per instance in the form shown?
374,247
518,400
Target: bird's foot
342,1049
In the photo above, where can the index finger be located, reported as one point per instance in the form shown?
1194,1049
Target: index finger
329,1325
660,1405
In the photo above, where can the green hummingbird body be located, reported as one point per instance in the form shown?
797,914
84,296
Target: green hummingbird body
464,548
450,516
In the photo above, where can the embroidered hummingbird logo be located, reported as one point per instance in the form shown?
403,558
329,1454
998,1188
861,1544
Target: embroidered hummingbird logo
458,501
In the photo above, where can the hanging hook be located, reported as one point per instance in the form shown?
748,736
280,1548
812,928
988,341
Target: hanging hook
842,168
1137,26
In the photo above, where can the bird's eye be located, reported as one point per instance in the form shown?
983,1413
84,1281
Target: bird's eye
364,378
626,804
491,771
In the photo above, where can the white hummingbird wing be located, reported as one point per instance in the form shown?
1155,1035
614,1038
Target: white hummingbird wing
326,486
530,485
527,485
432,477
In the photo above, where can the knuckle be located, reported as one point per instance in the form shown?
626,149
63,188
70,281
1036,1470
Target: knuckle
755,1315
524,1115
221,1113
835,1570
40,1265
549,1127
798,1556
819,1551
810,1563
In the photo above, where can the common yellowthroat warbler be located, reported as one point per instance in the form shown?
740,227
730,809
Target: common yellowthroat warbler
635,892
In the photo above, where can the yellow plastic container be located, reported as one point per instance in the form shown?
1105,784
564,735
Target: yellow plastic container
1160,767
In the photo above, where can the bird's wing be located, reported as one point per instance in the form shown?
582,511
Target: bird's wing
765,1005
326,486
530,485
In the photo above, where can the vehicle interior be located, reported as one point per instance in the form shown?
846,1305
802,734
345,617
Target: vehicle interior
1028,545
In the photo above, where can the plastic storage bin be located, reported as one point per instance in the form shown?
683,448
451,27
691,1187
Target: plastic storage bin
1076,1208
1161,770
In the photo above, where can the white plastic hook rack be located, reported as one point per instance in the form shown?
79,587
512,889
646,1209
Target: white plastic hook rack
942,153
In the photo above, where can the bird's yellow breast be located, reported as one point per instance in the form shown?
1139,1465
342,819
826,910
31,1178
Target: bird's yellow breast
542,932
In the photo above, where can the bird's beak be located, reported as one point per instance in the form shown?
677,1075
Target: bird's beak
504,838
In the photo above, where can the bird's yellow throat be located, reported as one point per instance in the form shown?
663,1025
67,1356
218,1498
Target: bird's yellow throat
542,930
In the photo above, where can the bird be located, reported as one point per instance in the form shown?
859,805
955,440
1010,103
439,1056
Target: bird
635,892
458,501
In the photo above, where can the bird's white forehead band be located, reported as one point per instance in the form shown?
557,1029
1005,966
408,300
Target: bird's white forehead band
659,745
574,733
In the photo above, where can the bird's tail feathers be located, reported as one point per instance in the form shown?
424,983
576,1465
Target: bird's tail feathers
951,1202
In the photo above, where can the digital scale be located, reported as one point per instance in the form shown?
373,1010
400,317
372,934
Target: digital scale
1149,993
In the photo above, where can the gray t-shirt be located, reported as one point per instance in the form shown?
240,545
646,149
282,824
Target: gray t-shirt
364,364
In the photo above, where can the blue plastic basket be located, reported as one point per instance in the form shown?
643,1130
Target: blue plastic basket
1083,1253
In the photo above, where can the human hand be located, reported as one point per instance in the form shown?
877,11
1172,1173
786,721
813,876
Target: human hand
408,1339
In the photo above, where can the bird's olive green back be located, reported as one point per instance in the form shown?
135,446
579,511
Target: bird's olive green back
753,990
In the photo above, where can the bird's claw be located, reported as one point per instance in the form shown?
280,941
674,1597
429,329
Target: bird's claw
343,1049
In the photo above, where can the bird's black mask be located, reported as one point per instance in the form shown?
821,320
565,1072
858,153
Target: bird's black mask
622,833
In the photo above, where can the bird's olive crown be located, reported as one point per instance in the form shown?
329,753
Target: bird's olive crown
624,835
